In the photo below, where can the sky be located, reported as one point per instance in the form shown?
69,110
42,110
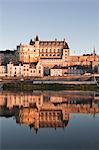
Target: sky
75,20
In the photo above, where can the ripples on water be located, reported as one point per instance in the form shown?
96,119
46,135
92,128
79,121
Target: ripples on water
49,120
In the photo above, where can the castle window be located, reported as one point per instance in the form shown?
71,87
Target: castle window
34,50
46,50
42,54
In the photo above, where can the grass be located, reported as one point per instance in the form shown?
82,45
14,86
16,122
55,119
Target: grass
21,86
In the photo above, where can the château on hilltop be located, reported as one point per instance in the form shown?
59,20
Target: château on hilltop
37,49
39,58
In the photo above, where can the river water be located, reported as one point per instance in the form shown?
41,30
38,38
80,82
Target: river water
50,120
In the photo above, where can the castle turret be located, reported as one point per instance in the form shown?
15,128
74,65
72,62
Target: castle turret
37,42
66,50
36,39
31,42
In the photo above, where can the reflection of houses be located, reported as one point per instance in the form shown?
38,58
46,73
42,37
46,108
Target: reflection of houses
20,100
47,100
47,109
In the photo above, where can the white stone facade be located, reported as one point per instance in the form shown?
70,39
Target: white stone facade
2,70
36,50
24,70
56,72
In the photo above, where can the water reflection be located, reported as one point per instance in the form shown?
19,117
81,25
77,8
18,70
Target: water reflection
47,109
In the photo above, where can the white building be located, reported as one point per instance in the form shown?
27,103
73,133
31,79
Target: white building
14,69
56,71
36,70
65,70
25,70
2,71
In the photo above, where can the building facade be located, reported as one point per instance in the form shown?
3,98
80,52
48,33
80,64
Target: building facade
3,70
85,60
24,70
68,70
46,55
36,50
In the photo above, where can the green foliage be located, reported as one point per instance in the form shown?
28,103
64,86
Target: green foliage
21,86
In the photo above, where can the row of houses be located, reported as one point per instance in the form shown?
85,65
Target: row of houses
65,70
20,69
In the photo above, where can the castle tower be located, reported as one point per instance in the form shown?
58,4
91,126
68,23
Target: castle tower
36,42
66,49
36,50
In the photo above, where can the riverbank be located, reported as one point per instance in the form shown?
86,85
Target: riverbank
29,86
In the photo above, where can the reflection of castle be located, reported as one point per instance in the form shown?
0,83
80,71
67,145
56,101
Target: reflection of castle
42,118
47,109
